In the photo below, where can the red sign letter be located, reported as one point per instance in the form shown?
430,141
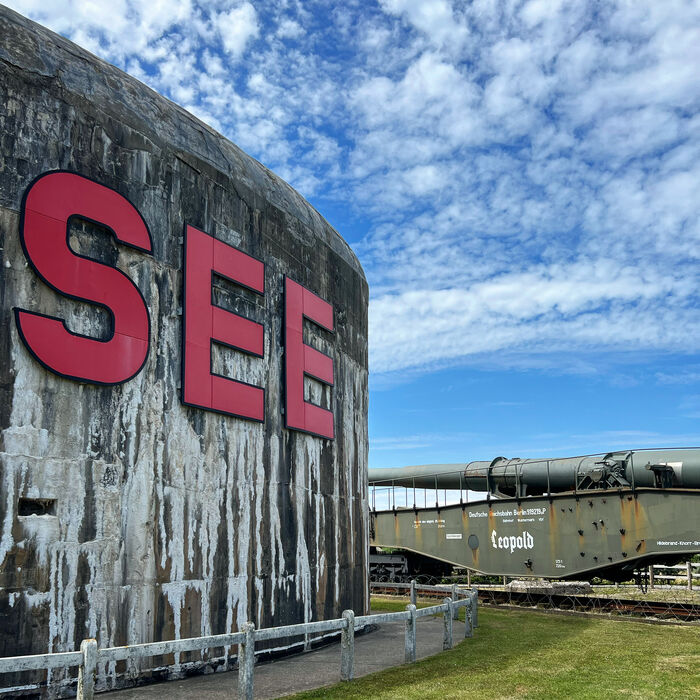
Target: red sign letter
302,359
203,323
49,204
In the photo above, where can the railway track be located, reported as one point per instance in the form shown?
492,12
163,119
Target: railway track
665,610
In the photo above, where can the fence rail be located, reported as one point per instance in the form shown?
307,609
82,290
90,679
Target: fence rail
90,656
690,572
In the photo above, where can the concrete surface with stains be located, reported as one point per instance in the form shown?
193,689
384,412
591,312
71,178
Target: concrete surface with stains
161,520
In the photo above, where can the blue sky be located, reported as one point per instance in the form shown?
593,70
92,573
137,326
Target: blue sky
520,180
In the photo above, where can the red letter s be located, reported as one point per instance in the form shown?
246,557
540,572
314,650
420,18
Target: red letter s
49,204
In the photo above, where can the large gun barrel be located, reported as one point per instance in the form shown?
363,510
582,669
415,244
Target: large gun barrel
661,468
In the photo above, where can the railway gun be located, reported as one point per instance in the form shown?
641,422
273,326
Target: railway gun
604,515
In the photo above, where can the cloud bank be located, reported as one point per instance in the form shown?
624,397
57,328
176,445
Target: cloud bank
525,175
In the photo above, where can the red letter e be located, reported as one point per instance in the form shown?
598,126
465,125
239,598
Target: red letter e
203,323
302,359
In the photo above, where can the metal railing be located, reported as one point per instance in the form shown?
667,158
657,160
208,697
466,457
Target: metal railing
90,656
387,495
385,490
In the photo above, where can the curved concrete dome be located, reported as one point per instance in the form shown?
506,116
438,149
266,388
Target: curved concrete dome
126,514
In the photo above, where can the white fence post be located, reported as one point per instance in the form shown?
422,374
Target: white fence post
455,610
468,631
86,673
690,576
447,623
347,647
413,591
410,636
475,607
246,662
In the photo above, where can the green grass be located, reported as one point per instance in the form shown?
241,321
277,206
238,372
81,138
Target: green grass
528,654
391,603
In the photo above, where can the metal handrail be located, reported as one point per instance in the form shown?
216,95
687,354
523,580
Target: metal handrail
487,497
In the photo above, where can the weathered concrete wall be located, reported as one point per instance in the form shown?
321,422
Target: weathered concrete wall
169,521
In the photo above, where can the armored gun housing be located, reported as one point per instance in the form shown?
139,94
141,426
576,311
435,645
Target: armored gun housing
575,517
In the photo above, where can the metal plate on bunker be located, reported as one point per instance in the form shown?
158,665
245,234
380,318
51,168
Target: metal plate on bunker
473,542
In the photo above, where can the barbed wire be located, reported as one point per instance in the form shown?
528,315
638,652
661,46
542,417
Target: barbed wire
667,596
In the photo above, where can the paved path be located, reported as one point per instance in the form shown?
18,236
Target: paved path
374,651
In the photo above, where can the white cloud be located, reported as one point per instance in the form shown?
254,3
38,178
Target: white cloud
527,171
289,29
113,30
687,375
588,305
237,27
435,18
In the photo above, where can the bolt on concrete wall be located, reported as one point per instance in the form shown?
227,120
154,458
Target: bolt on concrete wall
125,515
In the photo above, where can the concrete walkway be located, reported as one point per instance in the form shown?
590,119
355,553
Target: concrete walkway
374,651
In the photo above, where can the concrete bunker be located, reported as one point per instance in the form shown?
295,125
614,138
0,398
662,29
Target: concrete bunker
128,513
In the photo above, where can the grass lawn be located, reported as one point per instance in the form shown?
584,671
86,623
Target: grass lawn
527,654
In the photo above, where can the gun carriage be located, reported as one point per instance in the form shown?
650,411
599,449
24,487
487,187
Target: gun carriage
601,515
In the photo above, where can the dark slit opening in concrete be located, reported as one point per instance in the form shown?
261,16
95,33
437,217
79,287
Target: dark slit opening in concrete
36,506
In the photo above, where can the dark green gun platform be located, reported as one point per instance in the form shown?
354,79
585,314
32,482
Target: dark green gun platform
599,515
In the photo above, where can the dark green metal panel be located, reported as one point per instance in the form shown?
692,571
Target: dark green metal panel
563,536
